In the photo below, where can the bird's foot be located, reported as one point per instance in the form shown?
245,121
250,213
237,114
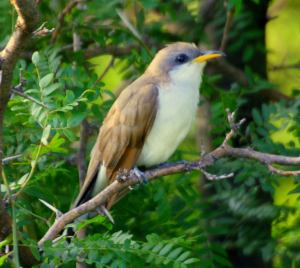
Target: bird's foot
141,175
104,212
123,176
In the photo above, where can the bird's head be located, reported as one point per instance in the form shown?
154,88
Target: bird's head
181,59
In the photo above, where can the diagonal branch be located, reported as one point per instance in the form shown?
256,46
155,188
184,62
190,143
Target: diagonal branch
225,150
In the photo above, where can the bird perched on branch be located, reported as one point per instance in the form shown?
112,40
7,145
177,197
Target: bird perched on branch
149,119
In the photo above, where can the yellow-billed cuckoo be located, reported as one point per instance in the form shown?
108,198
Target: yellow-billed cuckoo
149,119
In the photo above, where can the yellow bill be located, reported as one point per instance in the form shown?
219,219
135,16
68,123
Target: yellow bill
207,55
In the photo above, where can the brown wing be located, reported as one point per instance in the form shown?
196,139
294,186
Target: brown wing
122,135
126,127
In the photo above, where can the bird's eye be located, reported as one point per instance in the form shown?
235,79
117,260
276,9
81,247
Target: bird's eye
182,58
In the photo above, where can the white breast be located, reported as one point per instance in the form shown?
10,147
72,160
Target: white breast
175,115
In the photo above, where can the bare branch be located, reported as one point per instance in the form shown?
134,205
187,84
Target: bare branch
212,177
234,127
42,30
31,99
229,17
110,64
282,172
5,160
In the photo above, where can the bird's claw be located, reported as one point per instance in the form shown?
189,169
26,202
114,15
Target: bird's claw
187,166
123,176
141,175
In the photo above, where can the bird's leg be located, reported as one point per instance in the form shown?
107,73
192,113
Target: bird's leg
141,175
104,212
187,166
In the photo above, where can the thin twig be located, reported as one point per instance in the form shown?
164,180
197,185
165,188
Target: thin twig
31,99
110,64
7,159
229,17
61,18
282,172
135,33
42,30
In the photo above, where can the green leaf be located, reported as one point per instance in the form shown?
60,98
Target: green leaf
93,254
183,256
3,258
174,254
32,91
69,97
45,81
165,250
232,3
218,248
109,93
257,117
127,244
18,107
159,260
96,111
98,219
107,257
48,90
46,134
47,243
265,112
76,119
158,247
150,257
69,134
191,260
35,253
221,260
35,58
295,190
185,196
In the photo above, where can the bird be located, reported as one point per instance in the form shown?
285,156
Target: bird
148,120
